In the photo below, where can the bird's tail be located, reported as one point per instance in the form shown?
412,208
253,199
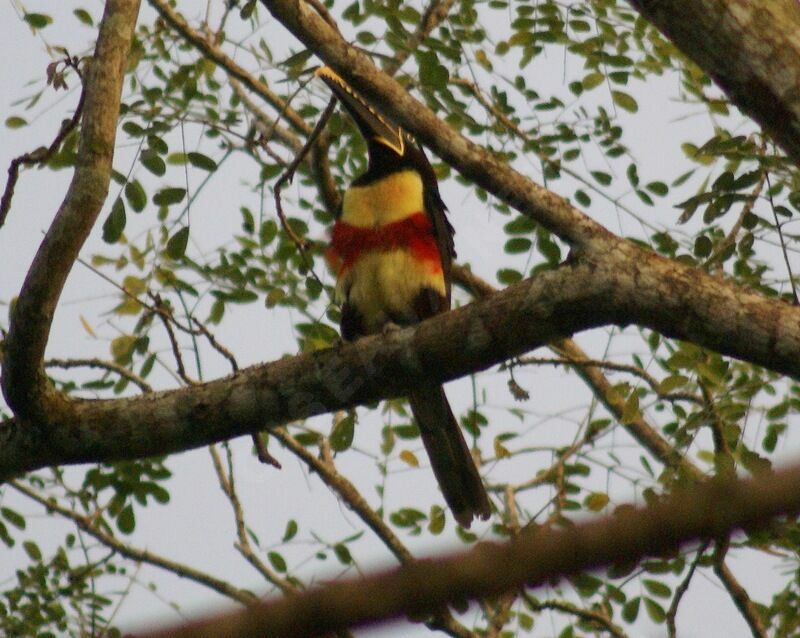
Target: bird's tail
449,455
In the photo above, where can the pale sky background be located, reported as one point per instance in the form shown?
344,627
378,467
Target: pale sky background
196,527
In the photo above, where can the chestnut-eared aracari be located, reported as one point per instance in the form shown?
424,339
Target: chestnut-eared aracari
391,251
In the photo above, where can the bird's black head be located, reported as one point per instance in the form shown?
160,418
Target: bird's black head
389,148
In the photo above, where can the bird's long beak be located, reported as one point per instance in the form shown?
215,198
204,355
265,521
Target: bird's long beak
372,125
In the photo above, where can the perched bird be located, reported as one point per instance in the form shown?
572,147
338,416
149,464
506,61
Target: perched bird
391,251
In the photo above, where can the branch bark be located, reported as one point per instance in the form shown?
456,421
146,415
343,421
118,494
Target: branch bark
749,48
24,383
624,285
472,161
533,558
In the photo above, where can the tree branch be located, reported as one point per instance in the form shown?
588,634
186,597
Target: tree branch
533,558
472,161
24,382
135,554
625,285
749,48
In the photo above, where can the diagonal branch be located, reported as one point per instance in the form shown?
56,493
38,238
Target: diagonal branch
24,382
645,434
533,558
626,285
749,48
472,161
135,554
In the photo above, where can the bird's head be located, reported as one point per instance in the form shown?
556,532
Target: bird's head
382,137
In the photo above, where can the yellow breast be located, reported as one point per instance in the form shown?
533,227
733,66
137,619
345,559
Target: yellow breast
384,201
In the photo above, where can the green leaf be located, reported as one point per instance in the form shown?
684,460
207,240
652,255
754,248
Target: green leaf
702,246
655,611
596,501
169,196
152,162
115,222
122,348
582,198
631,409
631,610
247,10
15,121
198,160
521,225
657,188
586,584
32,550
778,411
277,561
16,519
37,20
136,196
268,232
633,175
671,383
126,521
176,246
291,530
406,517
436,520
431,72
177,159
601,177
517,245
657,588
343,554
84,17
592,80
624,101
342,434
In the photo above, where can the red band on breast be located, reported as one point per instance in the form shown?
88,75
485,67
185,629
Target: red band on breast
414,233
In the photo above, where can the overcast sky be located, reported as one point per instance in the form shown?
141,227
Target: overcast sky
197,527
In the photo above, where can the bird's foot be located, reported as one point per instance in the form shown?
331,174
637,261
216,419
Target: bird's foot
389,328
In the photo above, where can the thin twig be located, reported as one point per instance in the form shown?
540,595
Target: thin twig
326,469
287,175
593,616
243,546
730,239
40,155
795,300
681,589
165,315
104,365
262,453
609,365
86,524
340,484
738,594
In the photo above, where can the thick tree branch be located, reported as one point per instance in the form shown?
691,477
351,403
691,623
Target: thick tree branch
638,427
749,48
625,285
261,397
472,161
533,558
24,382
